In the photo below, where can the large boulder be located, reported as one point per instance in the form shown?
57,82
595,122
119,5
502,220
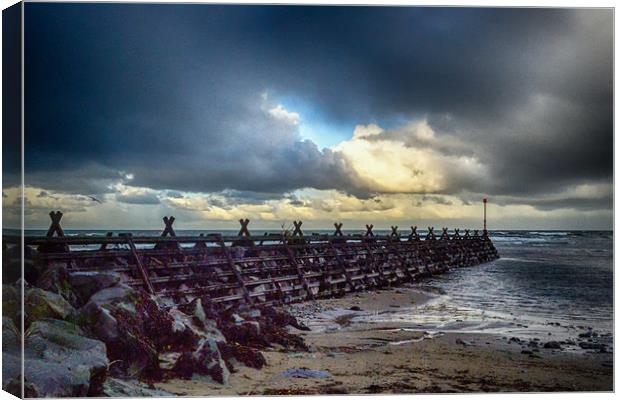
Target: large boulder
117,316
11,357
40,304
11,270
205,360
11,303
114,387
55,279
87,283
61,362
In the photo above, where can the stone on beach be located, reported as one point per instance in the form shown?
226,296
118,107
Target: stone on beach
553,345
87,283
114,387
61,362
305,373
40,304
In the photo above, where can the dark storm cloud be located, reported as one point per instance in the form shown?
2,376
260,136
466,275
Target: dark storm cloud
171,93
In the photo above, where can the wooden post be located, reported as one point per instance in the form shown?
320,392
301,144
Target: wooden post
104,246
394,233
338,225
54,228
456,235
414,235
444,234
168,231
484,201
297,231
244,227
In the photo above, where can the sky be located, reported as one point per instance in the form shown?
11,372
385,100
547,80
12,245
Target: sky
383,115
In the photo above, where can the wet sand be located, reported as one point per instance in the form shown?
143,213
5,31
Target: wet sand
362,357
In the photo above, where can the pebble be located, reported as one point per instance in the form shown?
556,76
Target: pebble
463,342
553,345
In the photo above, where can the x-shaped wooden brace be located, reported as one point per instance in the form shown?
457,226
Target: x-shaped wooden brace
414,233
369,230
244,227
297,231
168,231
444,234
338,232
466,234
105,246
431,234
456,235
200,244
55,226
476,235
394,231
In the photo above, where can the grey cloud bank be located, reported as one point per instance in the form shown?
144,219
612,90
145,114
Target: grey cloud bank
179,96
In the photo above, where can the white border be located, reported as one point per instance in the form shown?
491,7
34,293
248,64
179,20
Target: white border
454,3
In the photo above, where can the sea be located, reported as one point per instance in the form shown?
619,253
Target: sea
551,285
547,285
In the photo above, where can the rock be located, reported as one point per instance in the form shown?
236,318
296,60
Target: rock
533,344
11,303
118,317
168,360
279,318
514,340
305,373
55,279
40,304
60,362
463,342
87,283
526,352
11,342
114,387
115,294
585,334
206,360
11,271
553,345
11,357
355,308
592,346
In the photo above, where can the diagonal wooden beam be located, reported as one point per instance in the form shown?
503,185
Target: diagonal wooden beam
141,269
300,272
235,271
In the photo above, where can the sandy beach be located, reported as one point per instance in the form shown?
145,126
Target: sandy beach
349,354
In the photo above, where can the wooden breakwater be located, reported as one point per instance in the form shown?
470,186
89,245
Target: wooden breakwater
268,269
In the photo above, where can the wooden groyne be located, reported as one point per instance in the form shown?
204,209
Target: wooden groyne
269,269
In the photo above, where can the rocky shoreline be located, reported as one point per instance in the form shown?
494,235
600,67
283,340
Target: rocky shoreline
88,334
